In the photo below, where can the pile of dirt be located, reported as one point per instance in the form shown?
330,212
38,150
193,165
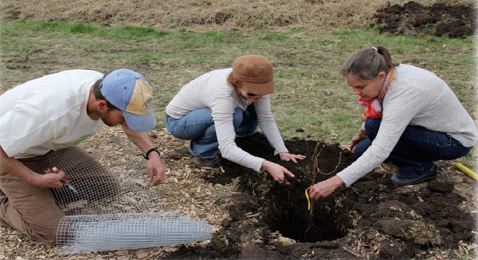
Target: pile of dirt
456,21
272,221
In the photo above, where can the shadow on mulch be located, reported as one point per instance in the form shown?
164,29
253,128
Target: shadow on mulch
455,21
399,224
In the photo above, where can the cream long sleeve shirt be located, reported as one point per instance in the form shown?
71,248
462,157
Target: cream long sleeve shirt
415,97
212,90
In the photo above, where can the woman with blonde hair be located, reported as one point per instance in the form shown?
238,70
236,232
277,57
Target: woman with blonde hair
215,108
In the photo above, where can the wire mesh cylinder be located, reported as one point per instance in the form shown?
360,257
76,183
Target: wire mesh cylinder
86,233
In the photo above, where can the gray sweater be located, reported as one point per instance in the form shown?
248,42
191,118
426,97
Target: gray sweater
415,97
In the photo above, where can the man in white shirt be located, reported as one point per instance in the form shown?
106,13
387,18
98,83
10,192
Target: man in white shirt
41,121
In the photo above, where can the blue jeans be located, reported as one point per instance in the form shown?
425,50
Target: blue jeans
198,126
416,149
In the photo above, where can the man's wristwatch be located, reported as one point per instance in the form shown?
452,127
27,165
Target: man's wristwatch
154,149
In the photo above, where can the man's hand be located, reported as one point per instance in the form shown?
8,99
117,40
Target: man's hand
155,166
47,180
144,142
291,157
276,171
13,166
325,188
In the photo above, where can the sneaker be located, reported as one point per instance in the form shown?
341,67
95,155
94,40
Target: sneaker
430,175
206,163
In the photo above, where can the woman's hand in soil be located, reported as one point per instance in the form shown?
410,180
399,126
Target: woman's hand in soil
291,157
325,188
277,171
356,139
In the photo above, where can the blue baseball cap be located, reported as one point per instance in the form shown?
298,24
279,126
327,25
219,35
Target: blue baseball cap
131,93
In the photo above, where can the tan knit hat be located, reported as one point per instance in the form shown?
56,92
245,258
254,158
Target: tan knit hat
255,72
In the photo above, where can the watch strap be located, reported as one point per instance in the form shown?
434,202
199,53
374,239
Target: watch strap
154,149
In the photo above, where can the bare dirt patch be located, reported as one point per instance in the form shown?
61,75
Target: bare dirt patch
270,220
456,21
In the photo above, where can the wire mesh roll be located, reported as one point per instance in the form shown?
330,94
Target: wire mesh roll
86,233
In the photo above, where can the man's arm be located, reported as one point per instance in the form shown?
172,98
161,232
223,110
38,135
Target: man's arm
144,143
13,166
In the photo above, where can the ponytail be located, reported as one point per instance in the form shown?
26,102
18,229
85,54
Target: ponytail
367,63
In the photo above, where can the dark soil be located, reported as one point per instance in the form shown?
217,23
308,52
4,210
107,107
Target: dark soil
372,211
439,19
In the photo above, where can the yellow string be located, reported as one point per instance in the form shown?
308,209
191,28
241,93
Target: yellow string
307,196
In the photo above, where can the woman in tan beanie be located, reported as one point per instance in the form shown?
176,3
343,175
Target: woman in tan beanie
215,108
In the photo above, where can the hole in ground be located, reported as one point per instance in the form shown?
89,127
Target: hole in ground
285,208
286,211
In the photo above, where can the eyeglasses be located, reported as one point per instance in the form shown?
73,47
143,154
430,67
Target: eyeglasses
247,92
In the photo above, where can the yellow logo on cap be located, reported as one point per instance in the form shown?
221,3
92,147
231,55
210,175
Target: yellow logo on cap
140,103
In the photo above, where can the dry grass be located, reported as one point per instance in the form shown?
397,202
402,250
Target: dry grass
207,14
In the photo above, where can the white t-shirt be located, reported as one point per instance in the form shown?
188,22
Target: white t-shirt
47,113
415,97
212,90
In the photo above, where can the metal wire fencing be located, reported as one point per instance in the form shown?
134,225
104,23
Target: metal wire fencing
87,233
112,207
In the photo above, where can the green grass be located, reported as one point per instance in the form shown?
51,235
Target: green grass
68,30
310,92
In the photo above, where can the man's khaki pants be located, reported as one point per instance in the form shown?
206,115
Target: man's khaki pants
34,211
